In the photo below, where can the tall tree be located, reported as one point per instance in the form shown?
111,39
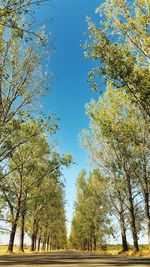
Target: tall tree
121,47
114,143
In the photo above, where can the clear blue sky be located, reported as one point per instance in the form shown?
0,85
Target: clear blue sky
70,89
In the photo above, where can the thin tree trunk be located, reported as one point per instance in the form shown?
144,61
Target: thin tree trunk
33,242
124,241
34,235
14,226
47,247
1,101
39,243
147,212
43,245
1,74
145,183
48,240
21,245
123,233
132,213
12,237
51,240
94,243
91,244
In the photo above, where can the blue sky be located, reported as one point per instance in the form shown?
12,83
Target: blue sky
70,90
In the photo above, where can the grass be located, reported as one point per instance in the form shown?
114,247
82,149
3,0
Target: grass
117,250
109,249
27,250
3,250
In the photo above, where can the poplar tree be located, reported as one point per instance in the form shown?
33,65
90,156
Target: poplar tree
120,46
118,142
90,224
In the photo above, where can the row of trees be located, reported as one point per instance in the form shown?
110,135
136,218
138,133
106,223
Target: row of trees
90,224
118,143
118,139
31,192
32,198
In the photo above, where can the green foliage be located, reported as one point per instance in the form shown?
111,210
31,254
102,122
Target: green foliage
118,145
31,191
90,224
121,47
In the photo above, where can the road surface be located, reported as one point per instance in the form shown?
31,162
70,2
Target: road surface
71,259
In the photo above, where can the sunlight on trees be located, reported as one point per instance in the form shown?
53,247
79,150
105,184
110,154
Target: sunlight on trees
31,191
118,137
117,142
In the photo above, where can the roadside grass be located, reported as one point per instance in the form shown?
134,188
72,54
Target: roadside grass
107,249
27,250
3,250
117,250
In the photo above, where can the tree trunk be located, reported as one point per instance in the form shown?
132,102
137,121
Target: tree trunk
43,245
21,245
48,241
34,235
1,101
124,242
94,243
51,241
91,246
132,213
33,240
12,237
1,73
39,242
147,212
47,247
14,226
123,233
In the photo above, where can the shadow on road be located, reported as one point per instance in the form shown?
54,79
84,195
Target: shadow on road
71,259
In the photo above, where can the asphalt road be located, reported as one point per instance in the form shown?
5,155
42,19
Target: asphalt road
71,259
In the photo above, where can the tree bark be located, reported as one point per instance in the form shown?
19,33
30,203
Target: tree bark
147,212
123,233
1,74
94,243
124,240
43,245
14,226
48,241
51,241
33,242
12,237
39,243
132,212
21,245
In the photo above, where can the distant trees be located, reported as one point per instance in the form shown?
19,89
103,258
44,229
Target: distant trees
90,225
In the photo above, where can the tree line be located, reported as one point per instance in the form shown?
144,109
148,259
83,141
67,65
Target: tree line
31,189
117,141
